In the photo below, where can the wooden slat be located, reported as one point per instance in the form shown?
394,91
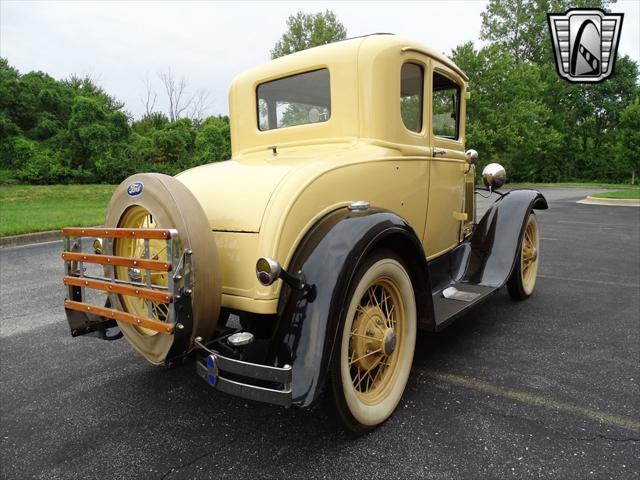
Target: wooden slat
139,292
117,261
166,328
150,233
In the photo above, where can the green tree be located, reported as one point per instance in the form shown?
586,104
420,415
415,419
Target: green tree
307,30
94,132
520,26
9,101
213,141
525,116
60,131
174,143
508,119
627,143
588,116
149,123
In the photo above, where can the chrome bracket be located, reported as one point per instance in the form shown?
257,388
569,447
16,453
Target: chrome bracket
182,277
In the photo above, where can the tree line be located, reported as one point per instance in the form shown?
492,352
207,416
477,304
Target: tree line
539,126
521,114
72,131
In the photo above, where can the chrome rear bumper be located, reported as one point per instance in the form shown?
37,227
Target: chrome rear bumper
240,378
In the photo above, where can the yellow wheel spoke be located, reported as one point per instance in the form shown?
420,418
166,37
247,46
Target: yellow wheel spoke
138,217
365,355
379,373
375,324
372,298
363,336
156,256
385,302
360,309
362,375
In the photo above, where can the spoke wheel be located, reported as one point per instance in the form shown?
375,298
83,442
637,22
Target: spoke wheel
523,278
371,369
138,217
165,202
373,340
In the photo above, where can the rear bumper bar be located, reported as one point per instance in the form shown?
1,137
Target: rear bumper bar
242,379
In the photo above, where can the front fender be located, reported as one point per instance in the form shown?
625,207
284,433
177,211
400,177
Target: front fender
496,238
328,258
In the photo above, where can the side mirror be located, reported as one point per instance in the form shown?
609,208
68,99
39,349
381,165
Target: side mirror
471,156
494,176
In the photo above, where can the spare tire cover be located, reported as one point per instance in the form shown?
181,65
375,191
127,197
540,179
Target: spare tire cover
172,205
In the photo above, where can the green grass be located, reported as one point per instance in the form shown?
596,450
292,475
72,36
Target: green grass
30,208
625,194
619,186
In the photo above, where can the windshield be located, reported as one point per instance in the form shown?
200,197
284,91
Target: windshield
295,100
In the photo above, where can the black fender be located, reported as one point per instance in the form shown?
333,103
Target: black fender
496,238
328,257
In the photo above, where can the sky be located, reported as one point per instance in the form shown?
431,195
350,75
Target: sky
119,44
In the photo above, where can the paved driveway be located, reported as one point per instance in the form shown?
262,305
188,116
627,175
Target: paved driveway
543,388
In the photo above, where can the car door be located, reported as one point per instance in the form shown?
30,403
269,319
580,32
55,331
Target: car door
446,209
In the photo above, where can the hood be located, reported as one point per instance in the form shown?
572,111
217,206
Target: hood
234,195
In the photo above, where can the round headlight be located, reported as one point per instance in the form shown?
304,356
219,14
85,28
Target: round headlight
494,176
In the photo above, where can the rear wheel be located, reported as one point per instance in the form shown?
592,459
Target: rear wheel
375,351
165,202
523,278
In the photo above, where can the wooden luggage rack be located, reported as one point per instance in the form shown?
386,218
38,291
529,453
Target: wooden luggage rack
177,266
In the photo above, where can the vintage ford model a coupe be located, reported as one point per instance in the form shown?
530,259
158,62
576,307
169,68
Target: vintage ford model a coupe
344,222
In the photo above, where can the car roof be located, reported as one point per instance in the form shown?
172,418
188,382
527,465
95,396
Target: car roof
343,49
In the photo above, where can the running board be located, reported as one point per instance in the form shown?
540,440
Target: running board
457,299
482,264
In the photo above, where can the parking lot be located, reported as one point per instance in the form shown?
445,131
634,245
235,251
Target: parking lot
548,387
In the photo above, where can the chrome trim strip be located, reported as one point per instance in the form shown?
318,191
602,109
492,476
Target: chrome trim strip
254,370
245,390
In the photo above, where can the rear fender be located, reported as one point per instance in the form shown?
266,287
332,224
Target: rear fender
328,258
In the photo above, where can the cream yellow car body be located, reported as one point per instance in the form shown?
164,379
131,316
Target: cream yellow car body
282,181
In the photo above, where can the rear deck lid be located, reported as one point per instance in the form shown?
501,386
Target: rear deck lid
234,195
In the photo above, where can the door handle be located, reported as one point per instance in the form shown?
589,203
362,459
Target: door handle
439,151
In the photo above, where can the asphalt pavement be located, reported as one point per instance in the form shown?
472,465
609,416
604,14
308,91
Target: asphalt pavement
545,388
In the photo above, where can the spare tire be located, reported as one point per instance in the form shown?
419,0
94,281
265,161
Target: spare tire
161,201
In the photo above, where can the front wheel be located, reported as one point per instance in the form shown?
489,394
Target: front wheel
523,278
374,353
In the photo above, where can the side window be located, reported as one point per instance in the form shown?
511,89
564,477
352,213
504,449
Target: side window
446,105
411,88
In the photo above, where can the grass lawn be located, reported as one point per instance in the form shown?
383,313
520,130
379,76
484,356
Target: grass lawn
31,208
626,194
618,186
37,208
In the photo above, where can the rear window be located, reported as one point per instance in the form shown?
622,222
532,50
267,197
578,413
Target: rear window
296,100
